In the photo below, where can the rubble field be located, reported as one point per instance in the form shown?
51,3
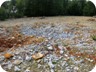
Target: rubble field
48,45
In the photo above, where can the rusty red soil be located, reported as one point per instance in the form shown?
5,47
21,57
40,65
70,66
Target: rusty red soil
14,39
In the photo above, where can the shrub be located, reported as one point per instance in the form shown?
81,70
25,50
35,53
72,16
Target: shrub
89,9
94,37
20,6
44,7
3,14
74,8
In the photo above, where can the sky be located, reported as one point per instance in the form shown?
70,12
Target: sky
1,1
94,1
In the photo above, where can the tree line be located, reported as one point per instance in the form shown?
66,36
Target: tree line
30,8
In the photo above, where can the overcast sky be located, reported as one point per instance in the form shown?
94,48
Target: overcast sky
1,1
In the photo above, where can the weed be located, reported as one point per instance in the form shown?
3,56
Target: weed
94,37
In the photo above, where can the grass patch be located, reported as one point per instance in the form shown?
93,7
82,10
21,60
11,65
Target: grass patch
94,37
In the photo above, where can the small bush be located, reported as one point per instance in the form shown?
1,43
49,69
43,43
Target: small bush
3,14
89,9
94,37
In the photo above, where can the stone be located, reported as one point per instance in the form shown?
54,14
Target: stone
67,70
20,58
8,55
27,70
52,70
1,58
78,62
17,62
76,68
39,65
37,56
17,69
28,58
14,57
51,65
63,63
9,66
50,48
12,37
61,51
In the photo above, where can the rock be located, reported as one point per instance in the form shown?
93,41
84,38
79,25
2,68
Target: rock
63,63
16,69
1,58
76,68
17,52
37,56
8,55
9,66
14,57
27,70
28,58
52,70
67,70
78,62
51,64
61,51
50,48
39,65
12,37
17,62
19,57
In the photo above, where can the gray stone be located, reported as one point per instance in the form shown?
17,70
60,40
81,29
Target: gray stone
39,65
61,51
16,69
10,66
50,48
51,65
27,70
28,58
52,70
76,68
2,58
17,62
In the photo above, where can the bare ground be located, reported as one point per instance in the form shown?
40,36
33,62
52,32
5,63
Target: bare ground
84,57
63,19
